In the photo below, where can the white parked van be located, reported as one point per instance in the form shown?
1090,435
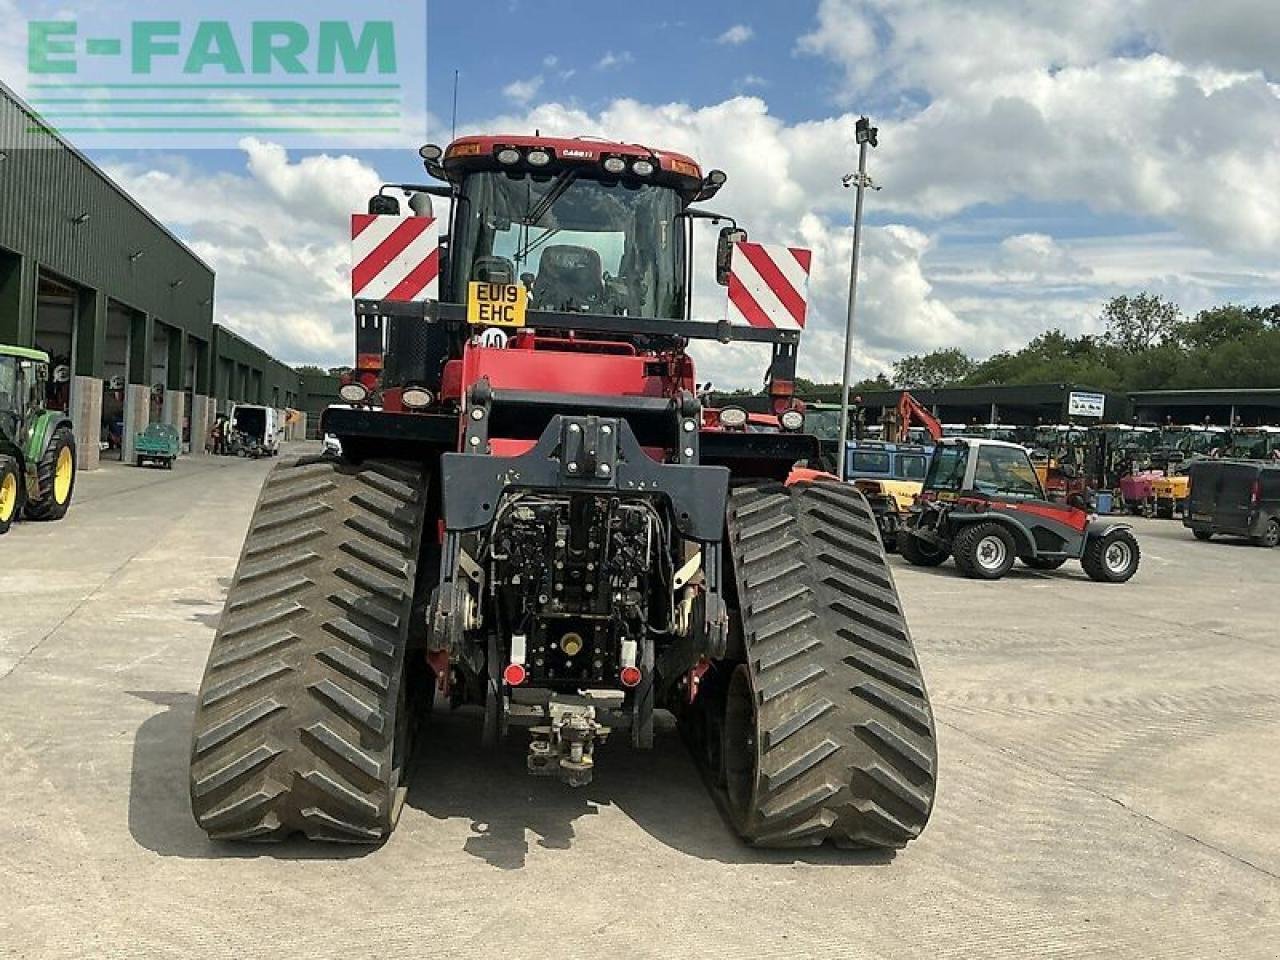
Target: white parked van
256,431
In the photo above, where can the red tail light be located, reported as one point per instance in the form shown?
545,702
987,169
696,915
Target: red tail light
1255,495
514,675
630,676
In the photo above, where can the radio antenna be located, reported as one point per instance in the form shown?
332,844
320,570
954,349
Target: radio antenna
453,127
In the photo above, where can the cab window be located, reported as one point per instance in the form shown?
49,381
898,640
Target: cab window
912,467
946,469
865,462
9,399
1005,470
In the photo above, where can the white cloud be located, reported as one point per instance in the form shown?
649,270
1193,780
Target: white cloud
522,91
550,61
752,80
736,35
611,60
277,236
1041,258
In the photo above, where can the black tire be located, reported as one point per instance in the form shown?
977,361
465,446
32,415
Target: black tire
1270,535
1112,558
984,551
10,492
1202,534
49,506
1043,563
302,722
1164,511
827,733
919,553
890,541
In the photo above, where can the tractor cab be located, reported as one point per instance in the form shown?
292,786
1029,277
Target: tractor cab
984,504
24,376
991,468
1255,443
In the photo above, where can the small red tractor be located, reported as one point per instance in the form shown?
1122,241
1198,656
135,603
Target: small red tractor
534,515
983,505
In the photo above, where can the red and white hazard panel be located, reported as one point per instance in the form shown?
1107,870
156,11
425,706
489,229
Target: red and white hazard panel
394,258
769,286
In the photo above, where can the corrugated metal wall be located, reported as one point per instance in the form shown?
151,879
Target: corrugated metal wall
248,374
45,185
121,251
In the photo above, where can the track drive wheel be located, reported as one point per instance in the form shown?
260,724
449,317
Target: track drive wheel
303,720
826,729
984,551
10,492
56,471
920,553
1111,558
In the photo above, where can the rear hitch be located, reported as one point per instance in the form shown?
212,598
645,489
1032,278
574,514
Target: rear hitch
566,746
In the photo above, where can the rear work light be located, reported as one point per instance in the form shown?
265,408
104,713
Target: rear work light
353,392
615,164
734,418
508,157
791,420
416,398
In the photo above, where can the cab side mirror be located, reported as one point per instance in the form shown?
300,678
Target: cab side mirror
724,252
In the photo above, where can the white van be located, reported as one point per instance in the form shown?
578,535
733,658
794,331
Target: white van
256,430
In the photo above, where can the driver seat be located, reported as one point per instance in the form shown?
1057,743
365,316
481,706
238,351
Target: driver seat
568,277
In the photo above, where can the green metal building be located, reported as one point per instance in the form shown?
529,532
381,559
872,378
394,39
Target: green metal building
91,278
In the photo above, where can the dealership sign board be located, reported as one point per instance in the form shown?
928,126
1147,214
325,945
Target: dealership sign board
1086,405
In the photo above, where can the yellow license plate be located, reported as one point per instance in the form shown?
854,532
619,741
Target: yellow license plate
946,495
497,304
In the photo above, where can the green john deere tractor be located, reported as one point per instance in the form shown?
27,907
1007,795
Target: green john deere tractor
37,447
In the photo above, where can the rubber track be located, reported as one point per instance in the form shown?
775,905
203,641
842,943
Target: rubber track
845,731
296,718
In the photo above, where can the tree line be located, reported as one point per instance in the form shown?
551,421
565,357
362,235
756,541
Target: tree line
1147,343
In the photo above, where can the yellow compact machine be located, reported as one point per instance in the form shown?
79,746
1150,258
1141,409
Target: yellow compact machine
890,476
1170,495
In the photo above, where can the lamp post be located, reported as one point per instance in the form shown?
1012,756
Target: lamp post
864,134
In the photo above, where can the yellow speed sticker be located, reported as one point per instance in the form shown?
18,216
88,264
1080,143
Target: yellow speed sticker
496,304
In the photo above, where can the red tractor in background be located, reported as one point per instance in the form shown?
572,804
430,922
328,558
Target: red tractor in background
535,516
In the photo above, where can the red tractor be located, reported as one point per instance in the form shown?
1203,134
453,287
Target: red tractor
534,515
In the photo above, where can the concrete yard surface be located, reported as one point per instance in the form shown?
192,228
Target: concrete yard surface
1109,779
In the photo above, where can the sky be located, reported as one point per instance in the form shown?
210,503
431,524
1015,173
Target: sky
1035,159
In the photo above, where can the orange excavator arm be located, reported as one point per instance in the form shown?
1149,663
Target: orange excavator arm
911,411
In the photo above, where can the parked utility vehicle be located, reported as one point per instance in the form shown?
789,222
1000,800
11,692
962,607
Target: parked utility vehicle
984,505
159,445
